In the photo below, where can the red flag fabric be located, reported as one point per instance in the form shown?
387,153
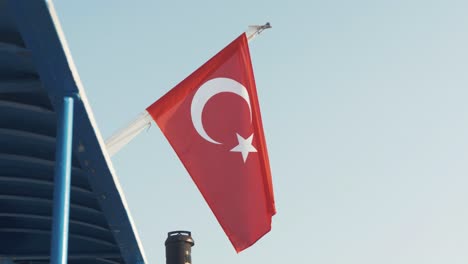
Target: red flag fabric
212,120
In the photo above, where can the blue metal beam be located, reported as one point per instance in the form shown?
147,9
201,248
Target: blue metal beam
61,209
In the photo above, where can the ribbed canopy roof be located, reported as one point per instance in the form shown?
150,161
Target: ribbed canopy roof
36,70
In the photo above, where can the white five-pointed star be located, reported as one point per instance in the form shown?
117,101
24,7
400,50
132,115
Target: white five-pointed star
244,147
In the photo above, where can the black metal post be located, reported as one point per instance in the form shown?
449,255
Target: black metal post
179,247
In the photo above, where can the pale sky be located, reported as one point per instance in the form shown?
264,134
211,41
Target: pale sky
363,105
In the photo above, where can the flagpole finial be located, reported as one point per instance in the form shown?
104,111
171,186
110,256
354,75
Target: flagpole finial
256,30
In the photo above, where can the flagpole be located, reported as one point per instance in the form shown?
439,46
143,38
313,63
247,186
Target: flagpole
123,136
254,31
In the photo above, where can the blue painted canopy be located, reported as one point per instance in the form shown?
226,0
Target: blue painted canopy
36,70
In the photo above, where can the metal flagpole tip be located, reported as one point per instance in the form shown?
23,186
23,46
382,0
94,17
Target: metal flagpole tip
255,30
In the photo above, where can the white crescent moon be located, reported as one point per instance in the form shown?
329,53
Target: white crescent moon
208,90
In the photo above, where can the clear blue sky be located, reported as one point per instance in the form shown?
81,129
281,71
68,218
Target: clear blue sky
365,112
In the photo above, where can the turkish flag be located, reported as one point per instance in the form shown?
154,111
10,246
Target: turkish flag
212,120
